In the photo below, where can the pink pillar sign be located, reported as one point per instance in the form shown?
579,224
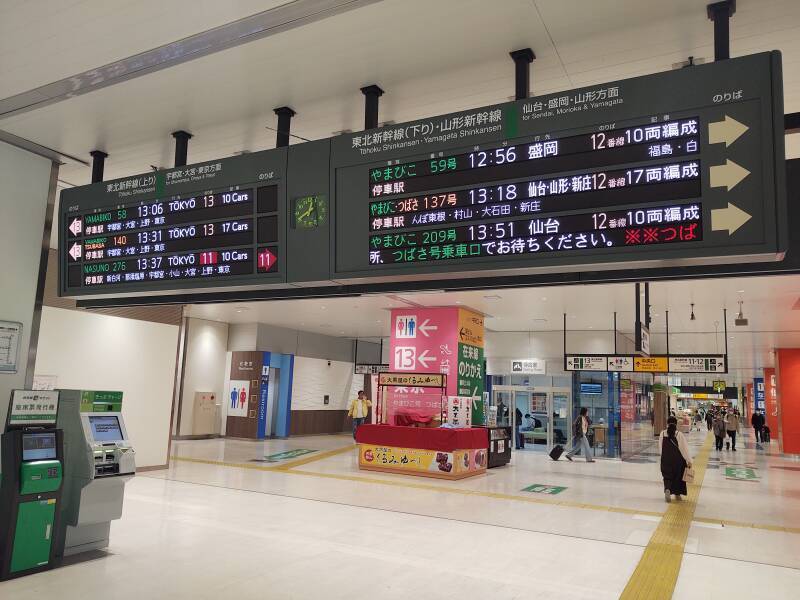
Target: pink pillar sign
432,340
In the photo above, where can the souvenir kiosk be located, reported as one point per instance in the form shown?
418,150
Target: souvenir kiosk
412,441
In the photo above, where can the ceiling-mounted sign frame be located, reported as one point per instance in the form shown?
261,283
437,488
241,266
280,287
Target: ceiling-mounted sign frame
676,168
655,363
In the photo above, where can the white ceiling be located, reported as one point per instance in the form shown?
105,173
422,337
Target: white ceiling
430,57
768,304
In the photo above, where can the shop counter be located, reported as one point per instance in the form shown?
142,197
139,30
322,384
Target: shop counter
423,451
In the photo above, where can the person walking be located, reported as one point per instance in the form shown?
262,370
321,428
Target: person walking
757,421
718,427
518,437
732,427
709,419
359,409
675,459
580,430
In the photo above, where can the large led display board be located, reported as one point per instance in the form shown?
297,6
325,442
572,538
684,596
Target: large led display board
683,167
677,168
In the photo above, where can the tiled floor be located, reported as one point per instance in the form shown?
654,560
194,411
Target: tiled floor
326,530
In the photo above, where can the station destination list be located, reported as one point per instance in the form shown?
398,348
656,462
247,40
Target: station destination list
523,198
209,235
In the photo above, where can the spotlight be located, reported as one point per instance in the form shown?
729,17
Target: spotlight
691,317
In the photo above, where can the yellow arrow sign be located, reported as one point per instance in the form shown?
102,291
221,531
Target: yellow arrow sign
728,175
728,130
730,218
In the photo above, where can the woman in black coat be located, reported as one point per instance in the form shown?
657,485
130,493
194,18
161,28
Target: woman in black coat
675,457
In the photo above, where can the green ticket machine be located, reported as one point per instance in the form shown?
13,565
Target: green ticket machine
30,492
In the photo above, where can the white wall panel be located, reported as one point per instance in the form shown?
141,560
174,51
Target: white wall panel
314,378
204,368
97,352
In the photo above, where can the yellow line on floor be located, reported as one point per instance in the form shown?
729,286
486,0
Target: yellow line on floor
289,468
657,572
314,457
284,466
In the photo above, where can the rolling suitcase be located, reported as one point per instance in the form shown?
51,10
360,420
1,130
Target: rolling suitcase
556,452
765,434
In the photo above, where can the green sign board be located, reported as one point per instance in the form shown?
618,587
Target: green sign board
740,473
288,454
101,401
540,488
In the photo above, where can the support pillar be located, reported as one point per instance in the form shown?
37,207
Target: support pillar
285,115
787,370
721,13
445,340
522,72
181,147
371,95
98,164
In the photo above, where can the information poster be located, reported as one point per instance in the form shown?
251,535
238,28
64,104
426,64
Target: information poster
10,334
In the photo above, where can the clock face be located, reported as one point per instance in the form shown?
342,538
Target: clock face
310,212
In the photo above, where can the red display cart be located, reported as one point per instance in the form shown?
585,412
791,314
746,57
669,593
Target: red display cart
420,449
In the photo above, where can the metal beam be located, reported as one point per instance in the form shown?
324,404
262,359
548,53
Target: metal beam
181,147
284,132
249,29
98,164
721,13
522,72
371,95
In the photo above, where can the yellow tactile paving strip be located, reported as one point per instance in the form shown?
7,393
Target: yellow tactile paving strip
283,466
657,572
289,467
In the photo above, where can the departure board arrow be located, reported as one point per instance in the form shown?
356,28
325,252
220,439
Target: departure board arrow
730,218
728,130
75,251
76,226
728,175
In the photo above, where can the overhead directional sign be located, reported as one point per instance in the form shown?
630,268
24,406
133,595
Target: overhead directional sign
680,166
663,363
676,168
728,131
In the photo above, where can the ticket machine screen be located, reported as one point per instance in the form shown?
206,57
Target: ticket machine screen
38,446
105,429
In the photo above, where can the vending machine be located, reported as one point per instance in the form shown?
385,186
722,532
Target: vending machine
30,492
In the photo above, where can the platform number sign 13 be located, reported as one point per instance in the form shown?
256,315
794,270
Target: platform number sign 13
405,358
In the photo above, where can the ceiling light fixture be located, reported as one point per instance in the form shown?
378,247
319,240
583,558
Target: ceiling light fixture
492,297
691,317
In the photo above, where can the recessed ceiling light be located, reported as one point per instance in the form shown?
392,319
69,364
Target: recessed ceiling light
323,307
740,291
492,297
544,299
459,302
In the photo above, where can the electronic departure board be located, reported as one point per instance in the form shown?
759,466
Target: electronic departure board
677,168
673,168
208,225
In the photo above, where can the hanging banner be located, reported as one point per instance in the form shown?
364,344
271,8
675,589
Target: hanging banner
459,411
